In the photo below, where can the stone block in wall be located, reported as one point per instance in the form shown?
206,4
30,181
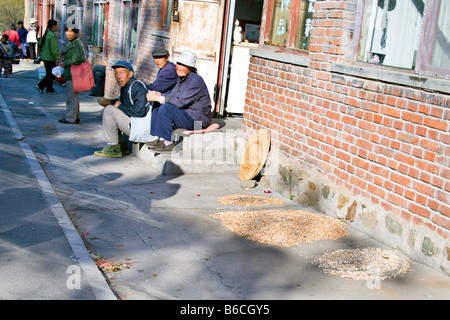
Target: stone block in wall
351,211
368,219
393,226
429,248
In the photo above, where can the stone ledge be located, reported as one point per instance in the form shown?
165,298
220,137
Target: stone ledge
216,151
405,78
400,78
281,57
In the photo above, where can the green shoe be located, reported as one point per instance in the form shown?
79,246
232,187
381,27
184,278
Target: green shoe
112,151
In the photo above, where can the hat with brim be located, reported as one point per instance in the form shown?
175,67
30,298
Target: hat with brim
33,20
160,52
123,64
187,58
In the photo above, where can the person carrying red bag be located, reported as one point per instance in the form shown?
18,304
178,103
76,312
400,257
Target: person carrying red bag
73,55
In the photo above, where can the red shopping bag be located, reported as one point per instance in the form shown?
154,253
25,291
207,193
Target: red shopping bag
82,77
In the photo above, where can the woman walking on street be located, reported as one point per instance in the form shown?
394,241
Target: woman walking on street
73,55
50,56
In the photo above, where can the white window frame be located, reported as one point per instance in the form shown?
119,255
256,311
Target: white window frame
426,40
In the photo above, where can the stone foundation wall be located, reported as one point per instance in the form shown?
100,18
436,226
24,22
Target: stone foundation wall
312,188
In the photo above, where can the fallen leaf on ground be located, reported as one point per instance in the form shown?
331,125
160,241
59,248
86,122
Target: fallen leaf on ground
108,266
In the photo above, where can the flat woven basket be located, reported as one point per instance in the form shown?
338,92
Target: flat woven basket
255,154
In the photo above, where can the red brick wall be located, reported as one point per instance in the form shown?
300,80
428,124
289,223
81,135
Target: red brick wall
386,142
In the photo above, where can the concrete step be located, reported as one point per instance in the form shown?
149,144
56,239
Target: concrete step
217,151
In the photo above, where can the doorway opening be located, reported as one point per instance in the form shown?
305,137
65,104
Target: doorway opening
242,35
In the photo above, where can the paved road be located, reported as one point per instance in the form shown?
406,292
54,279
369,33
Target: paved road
157,229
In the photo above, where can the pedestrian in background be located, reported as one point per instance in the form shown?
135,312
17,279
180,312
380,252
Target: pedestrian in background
50,56
32,38
5,52
73,55
12,56
14,42
13,36
23,38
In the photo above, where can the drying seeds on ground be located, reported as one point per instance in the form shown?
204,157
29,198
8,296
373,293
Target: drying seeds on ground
285,228
363,264
249,200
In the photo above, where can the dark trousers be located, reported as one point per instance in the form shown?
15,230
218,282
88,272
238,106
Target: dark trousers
155,110
49,78
168,116
32,50
99,72
10,67
4,65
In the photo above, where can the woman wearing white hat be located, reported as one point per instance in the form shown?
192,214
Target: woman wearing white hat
188,103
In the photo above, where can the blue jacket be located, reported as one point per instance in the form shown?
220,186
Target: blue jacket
22,34
190,93
137,105
166,79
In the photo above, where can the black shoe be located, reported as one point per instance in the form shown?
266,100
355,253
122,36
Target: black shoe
65,121
163,148
155,143
39,89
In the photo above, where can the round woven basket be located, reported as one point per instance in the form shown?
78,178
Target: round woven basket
255,154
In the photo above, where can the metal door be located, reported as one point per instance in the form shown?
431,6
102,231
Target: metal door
197,26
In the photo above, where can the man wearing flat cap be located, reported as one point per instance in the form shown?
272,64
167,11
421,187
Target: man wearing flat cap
188,103
116,115
165,81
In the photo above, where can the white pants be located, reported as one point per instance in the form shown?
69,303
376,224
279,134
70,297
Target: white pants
114,121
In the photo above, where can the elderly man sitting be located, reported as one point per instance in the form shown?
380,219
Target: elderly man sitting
117,112
165,81
188,102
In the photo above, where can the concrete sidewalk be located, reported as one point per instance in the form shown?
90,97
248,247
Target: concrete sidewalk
42,255
157,228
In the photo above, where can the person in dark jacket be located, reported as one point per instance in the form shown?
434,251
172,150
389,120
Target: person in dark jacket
22,31
5,53
13,36
165,81
73,55
116,115
187,104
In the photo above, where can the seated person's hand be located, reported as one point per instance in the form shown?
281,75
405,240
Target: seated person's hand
153,95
